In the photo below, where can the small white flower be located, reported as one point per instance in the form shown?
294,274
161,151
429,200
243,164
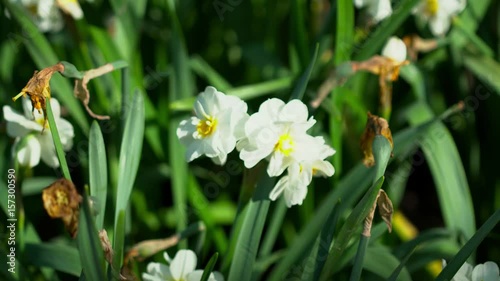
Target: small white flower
181,268
46,14
217,126
277,132
294,184
378,9
36,144
395,49
439,13
488,271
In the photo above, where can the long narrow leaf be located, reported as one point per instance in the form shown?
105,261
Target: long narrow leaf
130,155
98,171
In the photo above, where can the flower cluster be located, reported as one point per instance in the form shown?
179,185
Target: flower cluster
277,133
46,14
33,138
181,267
438,13
482,272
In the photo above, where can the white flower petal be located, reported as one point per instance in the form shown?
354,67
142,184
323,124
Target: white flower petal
29,154
17,124
157,271
380,9
294,111
183,263
48,150
395,49
278,188
486,272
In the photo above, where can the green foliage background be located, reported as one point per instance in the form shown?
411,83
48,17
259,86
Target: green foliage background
443,175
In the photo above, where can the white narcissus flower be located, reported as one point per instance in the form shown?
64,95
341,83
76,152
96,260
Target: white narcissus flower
46,14
395,49
277,132
294,184
180,268
439,13
217,126
378,9
34,143
488,271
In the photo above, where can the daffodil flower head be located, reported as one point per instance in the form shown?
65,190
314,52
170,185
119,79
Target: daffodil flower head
439,13
216,126
378,9
33,138
180,268
277,132
299,174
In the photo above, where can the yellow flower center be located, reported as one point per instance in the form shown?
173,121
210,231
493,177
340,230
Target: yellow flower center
41,121
285,144
206,126
432,7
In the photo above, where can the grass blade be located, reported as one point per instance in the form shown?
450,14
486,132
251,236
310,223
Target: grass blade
89,244
130,155
251,231
210,267
57,256
447,170
57,142
98,175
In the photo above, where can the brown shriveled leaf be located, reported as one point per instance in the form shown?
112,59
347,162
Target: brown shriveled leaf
380,65
416,44
385,208
38,89
82,93
374,126
61,200
106,245
145,249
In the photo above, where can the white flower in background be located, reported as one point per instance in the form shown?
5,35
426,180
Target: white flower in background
277,132
46,14
217,126
31,143
482,272
181,268
439,13
378,9
294,184
395,49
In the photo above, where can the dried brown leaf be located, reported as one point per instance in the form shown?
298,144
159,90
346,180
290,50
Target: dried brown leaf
82,93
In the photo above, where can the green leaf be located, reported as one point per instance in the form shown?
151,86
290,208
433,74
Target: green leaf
353,222
130,156
300,87
447,170
251,231
98,171
203,69
57,256
380,261
89,244
485,69
210,267
57,142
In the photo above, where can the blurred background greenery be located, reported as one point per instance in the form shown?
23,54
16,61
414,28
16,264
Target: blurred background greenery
257,50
